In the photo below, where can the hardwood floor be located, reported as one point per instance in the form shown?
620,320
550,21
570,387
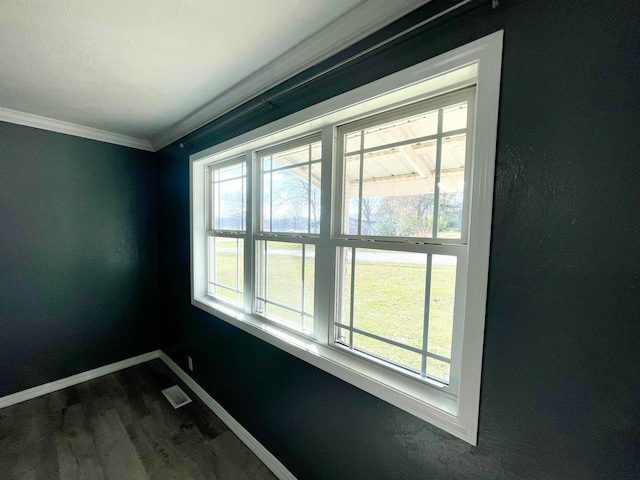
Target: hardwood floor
120,426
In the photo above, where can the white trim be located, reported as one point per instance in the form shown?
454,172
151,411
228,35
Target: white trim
369,16
59,126
46,388
477,62
278,469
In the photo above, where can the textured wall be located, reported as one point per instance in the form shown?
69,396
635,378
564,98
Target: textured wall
561,366
78,255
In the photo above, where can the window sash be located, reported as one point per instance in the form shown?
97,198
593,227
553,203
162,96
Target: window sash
258,164
263,298
430,246
213,282
438,103
210,196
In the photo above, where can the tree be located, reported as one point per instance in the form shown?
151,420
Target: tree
295,195
230,212
411,215
369,206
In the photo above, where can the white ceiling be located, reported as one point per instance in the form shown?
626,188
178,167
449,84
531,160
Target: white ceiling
146,72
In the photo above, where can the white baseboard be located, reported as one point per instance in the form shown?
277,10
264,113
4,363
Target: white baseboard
278,469
75,379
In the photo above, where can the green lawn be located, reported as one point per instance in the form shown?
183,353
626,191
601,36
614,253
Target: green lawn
389,302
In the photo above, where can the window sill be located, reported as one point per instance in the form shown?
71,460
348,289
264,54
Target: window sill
426,401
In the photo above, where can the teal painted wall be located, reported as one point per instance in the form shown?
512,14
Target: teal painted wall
78,255
561,370
85,257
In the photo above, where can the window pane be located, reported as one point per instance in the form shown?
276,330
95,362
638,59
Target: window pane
441,302
284,277
280,282
290,200
438,369
344,285
316,151
351,194
211,264
388,302
315,199
385,351
307,325
266,202
289,157
228,295
451,186
342,336
352,142
398,192
229,199
410,190
283,314
455,117
403,129
291,195
233,171
226,269
389,295
309,278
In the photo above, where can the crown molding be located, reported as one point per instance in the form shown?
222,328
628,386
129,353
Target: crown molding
352,27
53,125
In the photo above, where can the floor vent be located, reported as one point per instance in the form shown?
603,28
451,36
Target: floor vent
176,396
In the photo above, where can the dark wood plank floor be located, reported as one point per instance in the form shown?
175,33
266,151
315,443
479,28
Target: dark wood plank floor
120,426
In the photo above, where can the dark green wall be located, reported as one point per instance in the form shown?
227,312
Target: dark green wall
561,369
78,255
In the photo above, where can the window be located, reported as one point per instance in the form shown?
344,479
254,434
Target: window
227,201
402,177
289,202
355,234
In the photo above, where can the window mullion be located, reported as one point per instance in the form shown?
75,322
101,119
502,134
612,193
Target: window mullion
427,301
360,183
324,294
471,108
309,191
208,219
270,195
253,196
216,203
304,262
237,269
352,294
436,188
462,266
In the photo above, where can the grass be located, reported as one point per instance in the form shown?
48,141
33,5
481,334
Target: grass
389,302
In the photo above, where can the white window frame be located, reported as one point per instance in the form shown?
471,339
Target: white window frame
426,245
260,235
456,413
213,232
